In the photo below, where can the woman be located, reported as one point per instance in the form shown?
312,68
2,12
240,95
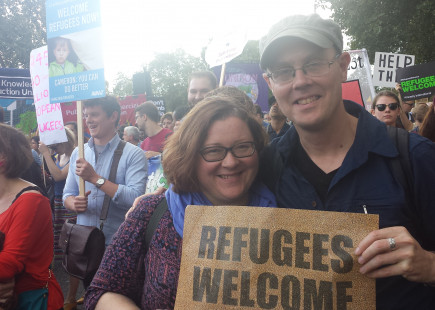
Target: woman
58,169
25,219
211,160
427,128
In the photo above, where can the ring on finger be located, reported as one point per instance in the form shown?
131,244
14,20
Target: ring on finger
392,243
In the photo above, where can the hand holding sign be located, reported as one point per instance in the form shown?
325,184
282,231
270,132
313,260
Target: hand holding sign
393,251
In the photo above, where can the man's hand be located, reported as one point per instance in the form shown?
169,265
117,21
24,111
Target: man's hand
86,171
393,251
80,203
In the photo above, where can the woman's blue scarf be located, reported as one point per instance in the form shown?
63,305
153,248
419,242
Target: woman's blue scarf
260,197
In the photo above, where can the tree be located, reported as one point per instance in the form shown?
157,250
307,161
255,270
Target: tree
22,25
123,85
27,122
169,74
401,26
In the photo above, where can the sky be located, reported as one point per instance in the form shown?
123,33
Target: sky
135,30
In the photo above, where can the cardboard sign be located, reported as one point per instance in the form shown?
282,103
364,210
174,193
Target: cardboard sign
384,73
48,116
417,81
359,69
74,38
15,83
271,258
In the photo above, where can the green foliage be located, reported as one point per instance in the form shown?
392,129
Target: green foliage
123,85
401,26
27,122
169,74
22,25
250,54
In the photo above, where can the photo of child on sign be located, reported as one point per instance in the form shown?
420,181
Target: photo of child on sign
62,58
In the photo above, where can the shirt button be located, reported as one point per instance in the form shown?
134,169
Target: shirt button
314,203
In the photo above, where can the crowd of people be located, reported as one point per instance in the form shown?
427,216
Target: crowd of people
312,150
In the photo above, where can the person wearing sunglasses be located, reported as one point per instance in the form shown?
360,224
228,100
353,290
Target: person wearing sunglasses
212,159
386,107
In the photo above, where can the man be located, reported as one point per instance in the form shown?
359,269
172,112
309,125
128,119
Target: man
102,117
336,158
200,83
147,119
277,126
131,134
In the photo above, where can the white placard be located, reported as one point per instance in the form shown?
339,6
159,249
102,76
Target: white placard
49,116
384,73
223,49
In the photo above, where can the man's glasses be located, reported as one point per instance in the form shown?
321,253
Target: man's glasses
313,69
218,153
391,106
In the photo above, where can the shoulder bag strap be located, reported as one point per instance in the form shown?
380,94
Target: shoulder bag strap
154,221
112,178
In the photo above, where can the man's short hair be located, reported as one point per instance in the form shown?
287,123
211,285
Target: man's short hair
15,151
322,32
133,132
181,152
387,93
234,93
204,74
258,110
168,116
109,104
150,110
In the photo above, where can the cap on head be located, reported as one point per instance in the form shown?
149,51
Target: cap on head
322,32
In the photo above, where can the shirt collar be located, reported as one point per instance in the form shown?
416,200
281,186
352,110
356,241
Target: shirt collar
111,145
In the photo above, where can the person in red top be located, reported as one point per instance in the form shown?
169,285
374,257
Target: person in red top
26,222
147,119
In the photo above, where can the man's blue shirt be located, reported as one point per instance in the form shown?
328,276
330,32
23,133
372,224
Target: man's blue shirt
131,179
365,181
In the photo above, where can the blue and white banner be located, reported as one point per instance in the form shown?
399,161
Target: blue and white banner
75,57
15,84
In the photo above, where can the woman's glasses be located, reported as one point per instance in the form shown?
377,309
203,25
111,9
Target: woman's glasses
391,106
218,153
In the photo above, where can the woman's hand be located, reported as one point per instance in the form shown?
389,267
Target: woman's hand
393,251
43,149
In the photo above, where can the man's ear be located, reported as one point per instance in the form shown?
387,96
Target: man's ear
344,61
373,112
268,81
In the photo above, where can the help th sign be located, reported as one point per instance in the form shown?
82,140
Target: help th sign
384,73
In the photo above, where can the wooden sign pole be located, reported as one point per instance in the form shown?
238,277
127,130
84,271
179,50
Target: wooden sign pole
221,81
80,142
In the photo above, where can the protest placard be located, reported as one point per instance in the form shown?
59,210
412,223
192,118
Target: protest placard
384,73
74,38
271,258
224,48
417,81
351,90
48,115
359,69
15,83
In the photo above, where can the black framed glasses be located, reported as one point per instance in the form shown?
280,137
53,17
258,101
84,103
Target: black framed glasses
312,69
391,106
218,153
